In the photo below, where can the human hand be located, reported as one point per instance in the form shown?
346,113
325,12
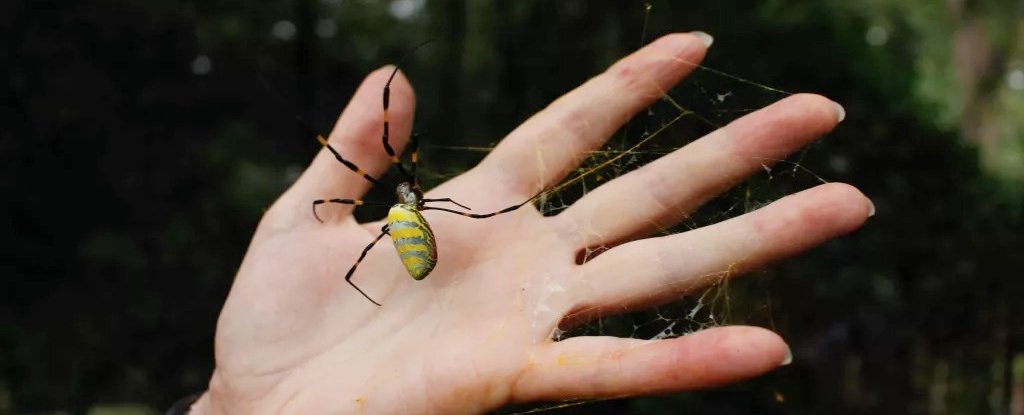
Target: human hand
476,334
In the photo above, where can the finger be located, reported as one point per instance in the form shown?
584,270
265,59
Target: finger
609,367
663,192
655,270
548,145
357,138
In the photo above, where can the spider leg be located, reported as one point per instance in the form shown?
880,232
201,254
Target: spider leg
357,202
410,175
449,201
384,137
414,157
349,164
480,215
348,276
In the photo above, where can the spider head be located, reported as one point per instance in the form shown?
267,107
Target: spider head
408,194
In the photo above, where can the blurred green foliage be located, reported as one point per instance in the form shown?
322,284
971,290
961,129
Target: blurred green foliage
143,140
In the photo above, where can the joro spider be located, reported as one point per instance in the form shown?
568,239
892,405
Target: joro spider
410,232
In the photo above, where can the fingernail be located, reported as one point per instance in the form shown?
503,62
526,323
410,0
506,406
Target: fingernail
871,208
788,358
704,37
840,112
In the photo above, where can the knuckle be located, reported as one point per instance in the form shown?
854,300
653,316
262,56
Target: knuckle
575,124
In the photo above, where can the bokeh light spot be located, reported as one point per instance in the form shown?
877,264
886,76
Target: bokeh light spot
876,36
284,30
202,65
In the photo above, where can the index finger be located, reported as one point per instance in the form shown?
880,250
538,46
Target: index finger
551,143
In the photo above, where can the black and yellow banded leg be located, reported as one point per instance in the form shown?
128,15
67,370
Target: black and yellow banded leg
348,277
349,164
356,202
479,215
449,200
414,157
387,129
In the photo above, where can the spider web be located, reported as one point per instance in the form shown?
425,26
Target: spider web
706,100
665,127
703,102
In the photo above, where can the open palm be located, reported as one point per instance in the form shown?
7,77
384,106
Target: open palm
293,337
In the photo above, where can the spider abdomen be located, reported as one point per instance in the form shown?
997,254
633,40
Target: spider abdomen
413,240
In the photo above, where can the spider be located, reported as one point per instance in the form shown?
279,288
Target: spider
409,230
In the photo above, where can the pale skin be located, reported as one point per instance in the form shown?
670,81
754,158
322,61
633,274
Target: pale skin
476,334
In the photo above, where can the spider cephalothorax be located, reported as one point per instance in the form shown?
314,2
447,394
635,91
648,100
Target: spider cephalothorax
408,194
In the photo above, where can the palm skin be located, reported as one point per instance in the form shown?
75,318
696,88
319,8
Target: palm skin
476,334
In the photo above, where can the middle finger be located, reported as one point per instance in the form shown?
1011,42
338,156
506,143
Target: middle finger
663,192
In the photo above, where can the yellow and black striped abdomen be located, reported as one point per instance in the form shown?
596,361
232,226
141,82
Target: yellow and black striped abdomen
413,240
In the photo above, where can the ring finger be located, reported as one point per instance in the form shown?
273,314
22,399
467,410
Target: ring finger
655,270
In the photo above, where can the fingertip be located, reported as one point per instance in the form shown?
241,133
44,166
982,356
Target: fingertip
766,348
821,113
857,205
781,128
689,47
683,39
704,37
852,207
367,101
401,88
648,72
787,359
806,219
732,353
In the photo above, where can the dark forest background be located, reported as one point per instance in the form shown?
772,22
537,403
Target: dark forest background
141,142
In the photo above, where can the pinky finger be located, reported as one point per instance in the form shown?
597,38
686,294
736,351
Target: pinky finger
610,367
